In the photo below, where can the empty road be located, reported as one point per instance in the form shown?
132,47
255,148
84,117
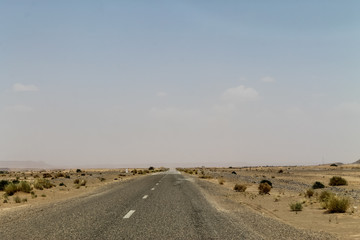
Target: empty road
161,206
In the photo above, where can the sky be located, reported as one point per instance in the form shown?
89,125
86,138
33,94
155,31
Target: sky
180,83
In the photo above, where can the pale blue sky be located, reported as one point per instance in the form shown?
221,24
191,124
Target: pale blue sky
180,82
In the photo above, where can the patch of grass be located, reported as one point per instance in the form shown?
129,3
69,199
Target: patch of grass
338,204
296,207
43,195
17,199
101,179
309,193
337,181
318,185
264,188
221,181
240,187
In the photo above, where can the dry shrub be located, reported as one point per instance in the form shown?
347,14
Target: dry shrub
309,193
42,183
240,187
318,185
10,189
221,181
296,206
338,204
264,188
337,181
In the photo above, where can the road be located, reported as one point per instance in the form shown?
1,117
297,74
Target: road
161,206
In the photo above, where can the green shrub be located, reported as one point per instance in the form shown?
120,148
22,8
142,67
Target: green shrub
309,193
337,181
240,187
10,189
266,181
17,199
296,206
318,185
24,186
42,183
264,188
338,204
3,183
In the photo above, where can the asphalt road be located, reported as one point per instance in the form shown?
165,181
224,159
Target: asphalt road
162,206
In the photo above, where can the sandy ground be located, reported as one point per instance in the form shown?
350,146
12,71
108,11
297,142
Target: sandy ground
63,184
289,187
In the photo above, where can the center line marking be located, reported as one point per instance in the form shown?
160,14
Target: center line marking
128,215
153,189
145,197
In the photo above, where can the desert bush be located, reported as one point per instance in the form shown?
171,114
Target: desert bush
264,188
3,183
297,206
233,172
338,204
134,171
77,181
146,171
205,176
140,172
101,179
309,193
318,185
24,186
281,171
17,199
221,181
67,176
42,183
62,184
82,182
10,189
240,187
337,181
59,174
325,196
151,168
24,200
333,165
78,170
43,195
47,175
266,181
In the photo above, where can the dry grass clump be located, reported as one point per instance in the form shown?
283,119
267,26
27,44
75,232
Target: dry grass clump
296,207
264,188
17,199
337,181
221,181
10,189
42,183
240,187
309,193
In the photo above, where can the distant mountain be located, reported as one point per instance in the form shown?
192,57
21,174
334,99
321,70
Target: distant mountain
24,165
357,162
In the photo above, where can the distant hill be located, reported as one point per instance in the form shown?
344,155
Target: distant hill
24,165
357,162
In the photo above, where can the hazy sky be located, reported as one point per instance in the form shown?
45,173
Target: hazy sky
180,82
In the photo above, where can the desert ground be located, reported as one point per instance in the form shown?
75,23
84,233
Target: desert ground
291,185
60,184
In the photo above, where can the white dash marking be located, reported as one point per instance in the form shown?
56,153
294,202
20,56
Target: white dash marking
153,189
128,215
145,197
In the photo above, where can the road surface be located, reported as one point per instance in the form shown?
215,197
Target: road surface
160,206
